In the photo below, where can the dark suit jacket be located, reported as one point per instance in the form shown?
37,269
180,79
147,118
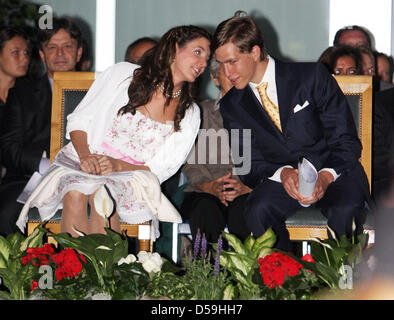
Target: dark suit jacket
25,129
383,147
323,132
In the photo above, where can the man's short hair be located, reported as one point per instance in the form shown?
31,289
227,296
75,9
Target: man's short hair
60,23
242,31
136,43
352,28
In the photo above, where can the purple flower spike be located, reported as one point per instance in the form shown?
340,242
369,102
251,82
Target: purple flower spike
203,247
197,241
216,269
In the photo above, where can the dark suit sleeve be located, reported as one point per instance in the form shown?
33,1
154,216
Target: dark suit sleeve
17,156
250,172
337,122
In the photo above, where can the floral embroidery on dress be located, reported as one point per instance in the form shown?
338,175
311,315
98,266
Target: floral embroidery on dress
133,136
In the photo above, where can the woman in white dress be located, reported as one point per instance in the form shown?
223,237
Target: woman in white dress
133,118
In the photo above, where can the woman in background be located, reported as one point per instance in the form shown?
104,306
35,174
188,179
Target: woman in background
14,62
342,60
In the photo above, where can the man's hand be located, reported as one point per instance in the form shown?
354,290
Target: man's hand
323,181
289,178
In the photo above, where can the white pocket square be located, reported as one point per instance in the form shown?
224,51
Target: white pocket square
299,108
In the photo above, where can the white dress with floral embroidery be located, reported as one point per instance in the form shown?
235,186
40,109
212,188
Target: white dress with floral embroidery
134,138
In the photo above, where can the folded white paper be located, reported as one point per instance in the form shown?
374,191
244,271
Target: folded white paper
307,177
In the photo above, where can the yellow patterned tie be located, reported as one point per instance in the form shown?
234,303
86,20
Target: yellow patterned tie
269,106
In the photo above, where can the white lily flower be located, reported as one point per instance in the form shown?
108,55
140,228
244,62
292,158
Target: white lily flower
151,262
103,248
151,266
142,256
103,202
129,259
157,259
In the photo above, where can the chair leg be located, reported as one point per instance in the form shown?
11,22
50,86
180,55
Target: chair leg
306,248
145,245
174,251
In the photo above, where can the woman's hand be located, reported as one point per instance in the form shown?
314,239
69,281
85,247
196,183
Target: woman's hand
234,188
107,164
90,164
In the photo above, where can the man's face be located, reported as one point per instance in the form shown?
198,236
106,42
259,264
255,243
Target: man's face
137,53
368,65
383,69
60,53
353,38
239,68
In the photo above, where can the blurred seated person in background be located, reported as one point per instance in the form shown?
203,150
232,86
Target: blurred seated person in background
14,63
342,60
207,205
85,63
136,50
384,66
353,36
368,61
26,127
14,60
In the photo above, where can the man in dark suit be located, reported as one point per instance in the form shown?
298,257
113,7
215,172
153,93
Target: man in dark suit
294,111
25,130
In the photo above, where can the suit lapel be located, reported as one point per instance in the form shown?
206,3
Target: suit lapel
285,90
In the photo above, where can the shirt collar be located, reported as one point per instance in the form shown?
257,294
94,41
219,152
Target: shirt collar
269,74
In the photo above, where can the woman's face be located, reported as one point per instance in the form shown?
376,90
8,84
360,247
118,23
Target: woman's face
14,58
345,66
190,61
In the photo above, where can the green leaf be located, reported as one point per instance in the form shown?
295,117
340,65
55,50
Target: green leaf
241,264
5,295
249,242
229,292
235,243
35,239
5,249
263,252
3,261
268,239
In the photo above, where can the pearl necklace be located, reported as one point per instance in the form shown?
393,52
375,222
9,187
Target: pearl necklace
174,95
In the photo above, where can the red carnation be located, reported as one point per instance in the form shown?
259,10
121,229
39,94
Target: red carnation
276,267
34,285
308,258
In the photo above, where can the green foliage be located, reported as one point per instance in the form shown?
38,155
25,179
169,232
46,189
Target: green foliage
331,255
103,252
196,281
243,261
17,278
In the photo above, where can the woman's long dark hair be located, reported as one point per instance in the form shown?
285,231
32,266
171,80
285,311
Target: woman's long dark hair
156,69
